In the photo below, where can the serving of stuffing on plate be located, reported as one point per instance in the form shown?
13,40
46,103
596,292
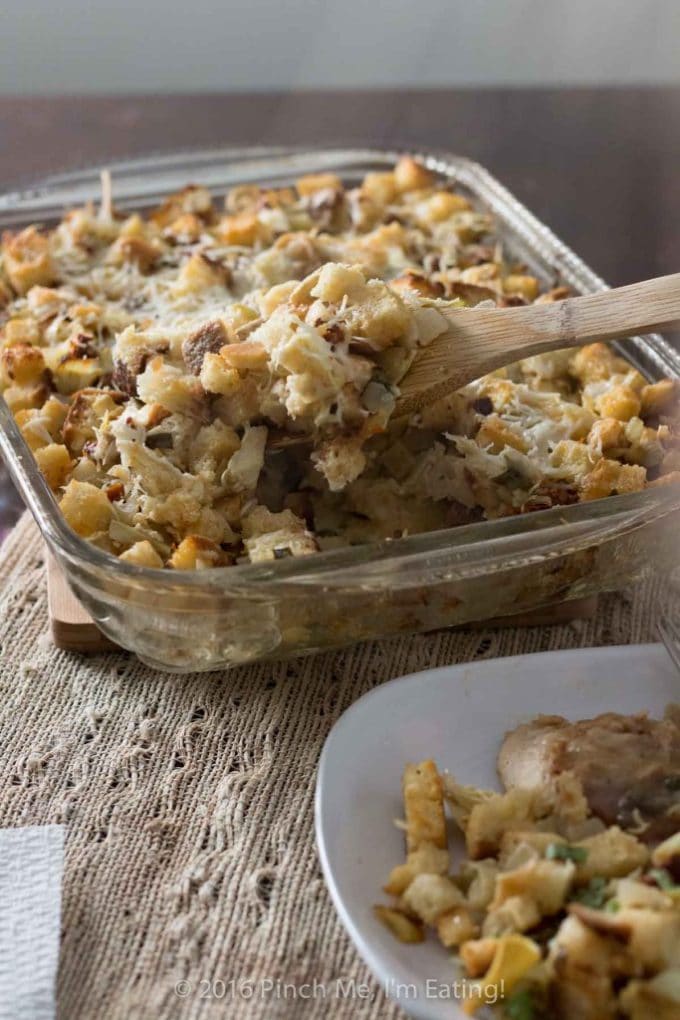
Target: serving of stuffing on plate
566,905
213,383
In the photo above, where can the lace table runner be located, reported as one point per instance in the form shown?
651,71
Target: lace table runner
191,885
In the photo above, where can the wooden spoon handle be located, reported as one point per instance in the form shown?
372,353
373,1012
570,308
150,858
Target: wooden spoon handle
485,339
609,315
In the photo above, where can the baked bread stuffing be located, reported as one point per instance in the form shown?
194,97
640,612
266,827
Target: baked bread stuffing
558,911
214,382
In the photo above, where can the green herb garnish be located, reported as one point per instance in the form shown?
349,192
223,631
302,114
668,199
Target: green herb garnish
663,879
594,894
520,1006
612,906
564,852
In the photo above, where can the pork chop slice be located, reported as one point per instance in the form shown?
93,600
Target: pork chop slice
628,766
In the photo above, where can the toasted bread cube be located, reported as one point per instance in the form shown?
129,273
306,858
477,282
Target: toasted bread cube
22,331
409,175
659,397
606,434
243,229
340,460
427,860
260,522
429,896
401,926
162,383
621,402
134,226
195,553
276,197
275,297
27,259
517,914
525,286
635,380
441,206
572,458
142,554
455,927
76,374
198,274
527,842
145,254
491,818
194,200
248,355
240,404
424,807
380,187
374,311
55,463
596,362
238,315
31,395
243,198
22,364
56,412
217,377
317,182
212,447
546,882
134,245
35,434
186,229
86,508
608,478
336,282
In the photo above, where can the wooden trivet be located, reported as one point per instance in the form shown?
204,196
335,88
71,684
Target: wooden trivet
71,625
74,630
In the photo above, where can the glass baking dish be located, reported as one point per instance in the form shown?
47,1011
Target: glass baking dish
203,620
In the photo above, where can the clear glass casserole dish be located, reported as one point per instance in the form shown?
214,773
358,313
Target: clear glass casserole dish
202,620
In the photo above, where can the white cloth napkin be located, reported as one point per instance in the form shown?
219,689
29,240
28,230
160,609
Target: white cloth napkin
31,864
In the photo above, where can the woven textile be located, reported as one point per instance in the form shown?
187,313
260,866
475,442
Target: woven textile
190,852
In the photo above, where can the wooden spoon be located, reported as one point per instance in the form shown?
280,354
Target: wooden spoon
484,339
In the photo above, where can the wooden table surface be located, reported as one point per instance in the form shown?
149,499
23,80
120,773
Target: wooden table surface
600,166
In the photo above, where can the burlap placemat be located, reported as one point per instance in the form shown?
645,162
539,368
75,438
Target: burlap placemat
190,852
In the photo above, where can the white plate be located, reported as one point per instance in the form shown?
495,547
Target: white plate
456,715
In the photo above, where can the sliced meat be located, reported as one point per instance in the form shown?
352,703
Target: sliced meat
210,338
629,766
